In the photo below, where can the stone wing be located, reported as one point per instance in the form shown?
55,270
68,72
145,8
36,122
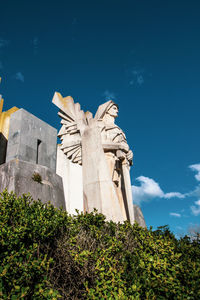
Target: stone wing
73,119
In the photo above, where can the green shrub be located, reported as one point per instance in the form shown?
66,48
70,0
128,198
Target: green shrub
37,177
27,234
47,254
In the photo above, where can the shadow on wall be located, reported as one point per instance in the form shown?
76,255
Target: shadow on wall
3,147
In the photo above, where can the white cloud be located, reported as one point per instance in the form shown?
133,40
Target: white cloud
137,77
35,42
150,189
175,214
174,195
196,167
195,193
140,79
179,227
3,43
197,202
19,76
196,209
109,95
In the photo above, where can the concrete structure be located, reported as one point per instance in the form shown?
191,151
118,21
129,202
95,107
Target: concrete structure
72,182
18,176
139,218
31,149
31,140
4,129
71,174
90,169
100,147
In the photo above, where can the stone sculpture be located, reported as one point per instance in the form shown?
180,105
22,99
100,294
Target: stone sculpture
100,147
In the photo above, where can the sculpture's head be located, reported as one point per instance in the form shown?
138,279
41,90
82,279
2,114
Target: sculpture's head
108,108
113,111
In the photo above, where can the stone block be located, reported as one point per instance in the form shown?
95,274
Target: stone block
17,176
72,182
32,140
139,218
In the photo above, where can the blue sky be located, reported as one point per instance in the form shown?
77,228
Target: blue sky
142,54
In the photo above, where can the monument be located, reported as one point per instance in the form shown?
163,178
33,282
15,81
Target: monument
100,147
88,170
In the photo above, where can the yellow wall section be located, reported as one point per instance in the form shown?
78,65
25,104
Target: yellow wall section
1,105
5,119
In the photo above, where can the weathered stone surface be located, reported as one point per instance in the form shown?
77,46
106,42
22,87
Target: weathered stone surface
139,218
98,189
101,148
73,119
72,182
32,140
17,176
4,129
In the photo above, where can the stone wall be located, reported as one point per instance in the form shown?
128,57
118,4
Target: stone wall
17,176
32,140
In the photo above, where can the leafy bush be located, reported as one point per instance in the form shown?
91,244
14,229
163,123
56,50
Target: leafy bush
27,235
47,254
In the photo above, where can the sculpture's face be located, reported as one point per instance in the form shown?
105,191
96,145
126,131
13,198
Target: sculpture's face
113,111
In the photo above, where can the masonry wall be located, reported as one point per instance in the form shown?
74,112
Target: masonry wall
18,176
31,148
32,140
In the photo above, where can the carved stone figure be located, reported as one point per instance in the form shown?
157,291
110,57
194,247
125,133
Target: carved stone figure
100,146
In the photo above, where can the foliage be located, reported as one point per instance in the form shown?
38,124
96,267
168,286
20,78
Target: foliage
27,232
37,177
47,254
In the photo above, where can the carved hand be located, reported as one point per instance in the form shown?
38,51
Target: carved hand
130,155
